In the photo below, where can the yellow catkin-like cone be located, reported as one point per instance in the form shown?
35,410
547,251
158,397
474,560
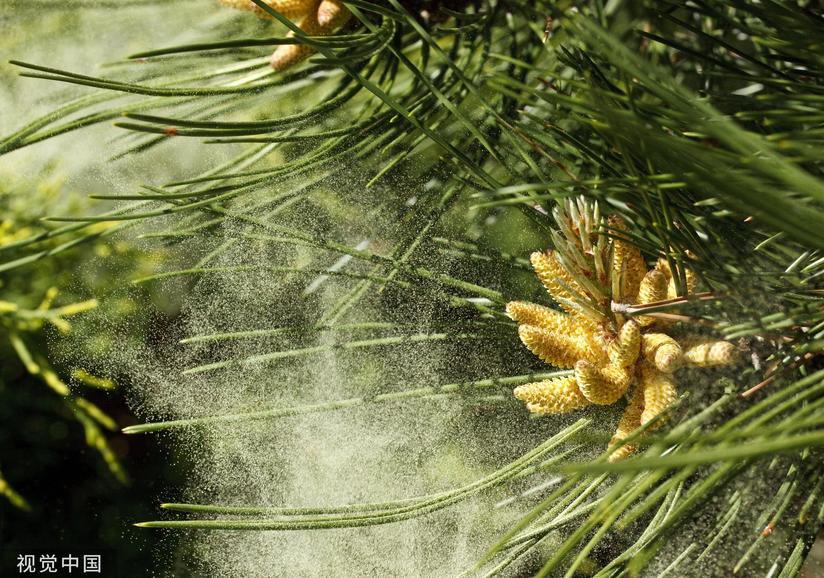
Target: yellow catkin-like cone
527,313
604,385
311,24
653,288
554,277
557,395
289,55
659,392
630,421
663,266
627,261
291,9
332,14
624,349
662,351
318,18
708,353
596,346
553,348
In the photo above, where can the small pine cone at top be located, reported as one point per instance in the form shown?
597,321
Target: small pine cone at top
610,355
291,9
317,18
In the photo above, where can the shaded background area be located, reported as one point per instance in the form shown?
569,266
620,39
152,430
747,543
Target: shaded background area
75,502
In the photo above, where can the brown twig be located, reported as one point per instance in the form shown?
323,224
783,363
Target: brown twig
639,308
776,372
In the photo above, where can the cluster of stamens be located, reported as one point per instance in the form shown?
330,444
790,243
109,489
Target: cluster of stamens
592,268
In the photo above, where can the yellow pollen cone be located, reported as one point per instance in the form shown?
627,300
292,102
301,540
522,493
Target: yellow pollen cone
317,18
663,266
672,292
555,278
653,289
555,349
602,386
662,351
585,341
659,392
630,421
627,261
624,349
527,313
709,353
291,9
557,395
332,14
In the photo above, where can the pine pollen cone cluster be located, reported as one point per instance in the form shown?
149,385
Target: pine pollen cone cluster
314,17
610,353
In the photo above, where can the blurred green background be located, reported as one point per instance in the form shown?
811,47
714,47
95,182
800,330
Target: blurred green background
71,483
